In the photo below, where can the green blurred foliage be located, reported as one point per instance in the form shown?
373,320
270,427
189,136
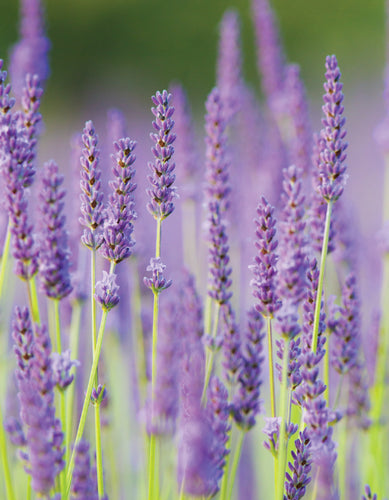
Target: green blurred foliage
143,45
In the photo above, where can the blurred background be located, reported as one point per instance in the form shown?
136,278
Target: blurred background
117,53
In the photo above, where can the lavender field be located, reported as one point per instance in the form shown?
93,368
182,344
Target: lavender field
194,303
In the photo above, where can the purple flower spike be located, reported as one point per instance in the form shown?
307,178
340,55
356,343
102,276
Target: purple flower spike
217,191
332,154
162,191
270,55
272,431
229,69
107,292
368,494
23,339
246,403
157,282
92,194
30,54
184,146
346,328
298,478
264,269
62,364
117,229
83,487
54,255
300,148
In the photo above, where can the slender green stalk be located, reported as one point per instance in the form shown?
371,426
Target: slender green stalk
84,411
211,356
73,344
4,258
29,489
57,327
33,299
4,459
92,299
326,371
283,443
324,251
99,455
235,463
271,367
152,493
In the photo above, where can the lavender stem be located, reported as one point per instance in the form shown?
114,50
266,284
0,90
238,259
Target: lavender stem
85,406
321,276
4,258
283,442
271,367
4,459
235,462
210,354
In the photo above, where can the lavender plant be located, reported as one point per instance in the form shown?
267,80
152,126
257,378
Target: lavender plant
184,422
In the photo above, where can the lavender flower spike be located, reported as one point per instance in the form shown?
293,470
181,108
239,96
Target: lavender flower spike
30,54
107,292
82,484
298,478
229,69
54,253
162,191
92,194
117,230
157,282
332,167
264,268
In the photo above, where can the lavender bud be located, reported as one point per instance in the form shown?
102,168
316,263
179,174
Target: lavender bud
61,365
98,395
107,292
157,283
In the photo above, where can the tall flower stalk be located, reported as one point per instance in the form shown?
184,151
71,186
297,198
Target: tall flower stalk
160,206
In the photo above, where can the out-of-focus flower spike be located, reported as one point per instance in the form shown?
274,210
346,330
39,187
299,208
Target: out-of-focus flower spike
229,65
30,54
83,487
368,494
54,254
270,57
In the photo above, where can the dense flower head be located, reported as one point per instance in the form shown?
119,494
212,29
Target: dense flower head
117,232
83,487
264,267
332,146
30,54
91,191
246,401
44,452
162,191
54,254
298,478
23,338
107,292
368,494
229,68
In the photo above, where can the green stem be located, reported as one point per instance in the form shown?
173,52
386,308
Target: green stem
283,443
235,463
33,298
211,354
99,455
57,328
271,367
73,344
4,258
84,411
4,459
324,251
